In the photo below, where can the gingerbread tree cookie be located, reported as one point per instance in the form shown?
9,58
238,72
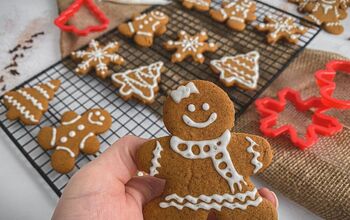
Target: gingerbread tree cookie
241,70
284,27
97,57
206,166
77,133
144,27
140,83
29,104
235,13
188,45
200,5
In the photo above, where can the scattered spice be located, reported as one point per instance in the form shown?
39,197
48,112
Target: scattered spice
18,52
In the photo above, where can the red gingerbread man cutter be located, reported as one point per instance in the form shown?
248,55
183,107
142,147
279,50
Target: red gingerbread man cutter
321,124
62,20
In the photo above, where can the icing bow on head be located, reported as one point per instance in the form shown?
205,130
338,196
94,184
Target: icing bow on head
183,92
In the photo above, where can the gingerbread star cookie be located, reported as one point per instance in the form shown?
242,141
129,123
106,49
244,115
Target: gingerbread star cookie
77,133
29,104
97,57
235,13
283,27
200,5
188,45
140,83
241,70
144,27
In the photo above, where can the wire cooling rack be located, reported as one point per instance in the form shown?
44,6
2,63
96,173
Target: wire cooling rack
82,93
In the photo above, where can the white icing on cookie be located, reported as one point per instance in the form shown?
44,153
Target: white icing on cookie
71,153
191,108
183,92
71,121
42,91
146,77
91,114
53,138
154,161
81,127
32,99
188,121
205,107
257,164
82,143
217,202
21,108
217,152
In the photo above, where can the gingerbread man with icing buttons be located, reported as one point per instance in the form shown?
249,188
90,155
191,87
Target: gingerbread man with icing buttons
205,164
144,27
77,133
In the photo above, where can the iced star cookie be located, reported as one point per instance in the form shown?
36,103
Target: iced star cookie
29,104
143,28
97,57
199,5
241,70
77,133
283,27
140,83
206,166
188,45
235,13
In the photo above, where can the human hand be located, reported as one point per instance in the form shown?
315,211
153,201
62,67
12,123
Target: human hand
108,188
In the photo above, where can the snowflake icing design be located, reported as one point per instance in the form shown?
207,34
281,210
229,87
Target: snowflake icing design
98,56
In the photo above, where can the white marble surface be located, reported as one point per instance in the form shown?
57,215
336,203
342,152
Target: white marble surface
23,193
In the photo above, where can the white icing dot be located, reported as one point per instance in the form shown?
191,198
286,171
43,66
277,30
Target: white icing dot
177,55
191,108
64,139
205,106
182,32
141,26
170,42
81,127
72,134
98,113
203,33
211,44
262,25
102,118
146,22
200,56
150,19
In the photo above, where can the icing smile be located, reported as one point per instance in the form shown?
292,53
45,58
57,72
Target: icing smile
188,121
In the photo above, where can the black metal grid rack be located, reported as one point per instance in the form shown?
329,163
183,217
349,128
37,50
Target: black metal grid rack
81,93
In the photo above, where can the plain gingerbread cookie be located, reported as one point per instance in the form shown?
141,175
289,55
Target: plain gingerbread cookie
77,133
206,166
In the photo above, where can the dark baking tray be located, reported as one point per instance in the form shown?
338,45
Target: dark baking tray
81,93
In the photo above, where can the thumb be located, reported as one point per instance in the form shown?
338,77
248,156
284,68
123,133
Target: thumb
144,188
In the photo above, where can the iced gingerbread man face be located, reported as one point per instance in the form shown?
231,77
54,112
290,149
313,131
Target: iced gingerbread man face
198,110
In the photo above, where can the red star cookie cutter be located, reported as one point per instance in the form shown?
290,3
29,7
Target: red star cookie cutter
325,81
321,124
61,21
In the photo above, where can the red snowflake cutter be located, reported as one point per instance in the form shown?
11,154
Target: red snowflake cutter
325,81
61,21
322,124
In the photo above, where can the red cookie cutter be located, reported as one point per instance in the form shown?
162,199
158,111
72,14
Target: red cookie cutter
322,124
325,81
61,21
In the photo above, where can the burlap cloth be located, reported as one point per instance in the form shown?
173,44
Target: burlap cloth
318,178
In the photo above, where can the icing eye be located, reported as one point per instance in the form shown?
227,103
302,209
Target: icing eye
97,113
205,106
64,139
81,127
191,108
102,118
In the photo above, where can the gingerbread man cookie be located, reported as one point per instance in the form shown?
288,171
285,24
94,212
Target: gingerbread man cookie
235,13
242,70
188,45
141,83
283,27
77,133
206,166
144,27
200,5
29,104
97,57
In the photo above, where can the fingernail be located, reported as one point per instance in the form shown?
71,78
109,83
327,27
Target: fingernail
276,199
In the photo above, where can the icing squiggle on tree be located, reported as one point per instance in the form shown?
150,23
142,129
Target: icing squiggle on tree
29,104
